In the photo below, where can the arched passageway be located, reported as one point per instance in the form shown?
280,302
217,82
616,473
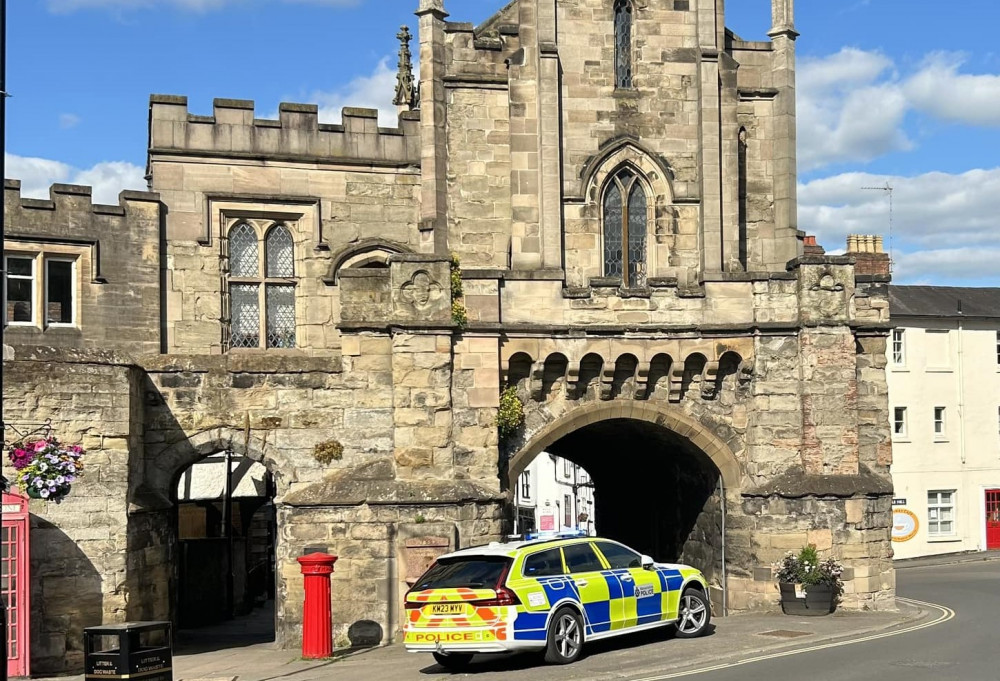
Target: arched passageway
659,479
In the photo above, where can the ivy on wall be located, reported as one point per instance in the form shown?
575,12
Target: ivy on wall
459,314
510,415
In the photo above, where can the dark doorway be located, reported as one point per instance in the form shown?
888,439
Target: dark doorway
653,491
226,532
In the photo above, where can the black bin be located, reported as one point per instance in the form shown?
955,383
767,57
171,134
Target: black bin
134,650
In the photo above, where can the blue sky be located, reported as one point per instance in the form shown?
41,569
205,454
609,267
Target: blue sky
903,91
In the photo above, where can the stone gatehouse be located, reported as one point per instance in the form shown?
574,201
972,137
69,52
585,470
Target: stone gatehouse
590,200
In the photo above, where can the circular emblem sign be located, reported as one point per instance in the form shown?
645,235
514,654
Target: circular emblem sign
904,524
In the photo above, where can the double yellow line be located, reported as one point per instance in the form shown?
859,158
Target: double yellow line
945,614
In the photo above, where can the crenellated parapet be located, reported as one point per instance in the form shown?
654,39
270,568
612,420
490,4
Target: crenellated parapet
233,131
114,303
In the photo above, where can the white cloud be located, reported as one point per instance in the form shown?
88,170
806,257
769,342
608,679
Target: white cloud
852,105
940,90
68,120
945,225
375,91
107,178
65,6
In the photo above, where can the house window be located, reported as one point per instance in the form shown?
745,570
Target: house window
941,513
60,289
898,348
567,468
567,510
261,287
625,222
623,44
19,292
899,422
939,423
526,485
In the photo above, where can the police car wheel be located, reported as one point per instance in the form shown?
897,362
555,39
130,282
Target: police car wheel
694,614
565,637
453,660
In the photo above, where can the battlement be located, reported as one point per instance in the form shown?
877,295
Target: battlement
72,197
232,131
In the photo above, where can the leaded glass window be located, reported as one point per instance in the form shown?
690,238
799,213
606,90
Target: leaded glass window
245,323
623,44
261,308
243,251
280,256
613,212
625,229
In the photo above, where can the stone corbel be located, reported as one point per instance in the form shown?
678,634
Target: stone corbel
536,380
708,378
607,380
642,381
676,381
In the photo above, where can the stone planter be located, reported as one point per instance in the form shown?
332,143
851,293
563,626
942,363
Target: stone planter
819,600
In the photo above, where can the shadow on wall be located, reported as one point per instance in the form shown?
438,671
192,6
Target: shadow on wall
66,597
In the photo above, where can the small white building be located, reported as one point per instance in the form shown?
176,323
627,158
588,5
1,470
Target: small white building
944,394
554,494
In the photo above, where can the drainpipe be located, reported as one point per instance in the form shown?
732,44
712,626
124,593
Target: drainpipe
393,585
725,582
961,388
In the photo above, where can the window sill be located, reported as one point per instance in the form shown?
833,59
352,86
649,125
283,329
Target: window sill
941,440
950,539
939,370
904,440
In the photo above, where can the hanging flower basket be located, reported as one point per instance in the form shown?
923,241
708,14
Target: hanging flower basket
46,468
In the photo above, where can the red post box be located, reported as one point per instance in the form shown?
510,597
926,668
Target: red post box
317,624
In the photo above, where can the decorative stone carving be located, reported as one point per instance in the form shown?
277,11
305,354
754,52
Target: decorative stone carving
421,291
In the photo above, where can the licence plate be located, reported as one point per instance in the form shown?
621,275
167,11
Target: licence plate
448,609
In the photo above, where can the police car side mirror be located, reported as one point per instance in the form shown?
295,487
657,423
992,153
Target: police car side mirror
646,562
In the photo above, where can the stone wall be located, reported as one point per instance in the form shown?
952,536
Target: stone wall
89,564
117,254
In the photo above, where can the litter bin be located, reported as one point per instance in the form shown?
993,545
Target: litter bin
128,651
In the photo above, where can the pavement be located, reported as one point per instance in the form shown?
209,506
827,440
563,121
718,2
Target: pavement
237,651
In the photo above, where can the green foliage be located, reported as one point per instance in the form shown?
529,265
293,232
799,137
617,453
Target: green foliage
456,278
328,452
419,520
807,569
510,415
459,313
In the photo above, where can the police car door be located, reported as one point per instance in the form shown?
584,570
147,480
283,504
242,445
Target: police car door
585,568
642,597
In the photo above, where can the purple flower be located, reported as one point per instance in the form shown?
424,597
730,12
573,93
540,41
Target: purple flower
60,480
44,493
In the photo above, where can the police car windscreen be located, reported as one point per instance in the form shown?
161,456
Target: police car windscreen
464,573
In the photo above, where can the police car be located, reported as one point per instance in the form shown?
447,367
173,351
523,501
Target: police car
550,595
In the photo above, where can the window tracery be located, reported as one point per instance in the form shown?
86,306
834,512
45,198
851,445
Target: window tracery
626,218
261,286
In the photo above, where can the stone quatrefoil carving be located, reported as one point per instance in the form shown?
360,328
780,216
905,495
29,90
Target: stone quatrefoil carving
421,291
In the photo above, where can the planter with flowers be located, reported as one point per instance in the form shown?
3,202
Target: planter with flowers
808,585
46,468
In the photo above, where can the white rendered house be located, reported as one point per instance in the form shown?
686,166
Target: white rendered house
943,370
554,494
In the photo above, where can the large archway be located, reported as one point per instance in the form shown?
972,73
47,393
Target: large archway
660,479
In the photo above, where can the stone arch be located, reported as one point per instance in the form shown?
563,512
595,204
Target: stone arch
674,420
163,471
622,151
364,253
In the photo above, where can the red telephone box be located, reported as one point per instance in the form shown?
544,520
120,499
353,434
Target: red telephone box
14,582
992,519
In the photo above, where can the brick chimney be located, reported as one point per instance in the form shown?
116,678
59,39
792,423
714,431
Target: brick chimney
868,253
810,247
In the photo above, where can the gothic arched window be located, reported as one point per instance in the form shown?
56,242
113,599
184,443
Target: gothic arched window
625,226
261,285
623,44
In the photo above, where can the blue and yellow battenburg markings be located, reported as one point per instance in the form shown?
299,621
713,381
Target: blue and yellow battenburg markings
607,600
